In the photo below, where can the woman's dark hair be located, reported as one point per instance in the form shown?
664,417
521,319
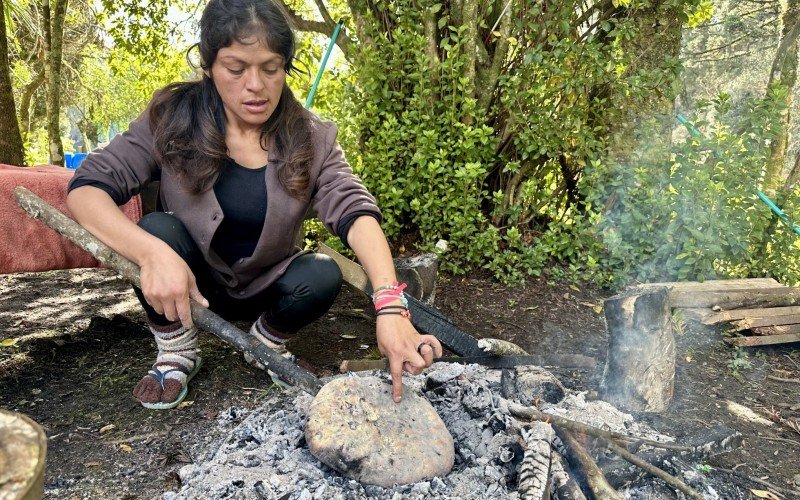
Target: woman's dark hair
188,118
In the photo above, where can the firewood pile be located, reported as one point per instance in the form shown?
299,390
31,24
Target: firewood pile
759,311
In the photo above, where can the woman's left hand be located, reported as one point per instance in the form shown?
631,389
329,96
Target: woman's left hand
405,348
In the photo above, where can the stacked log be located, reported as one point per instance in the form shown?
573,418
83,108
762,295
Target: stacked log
760,310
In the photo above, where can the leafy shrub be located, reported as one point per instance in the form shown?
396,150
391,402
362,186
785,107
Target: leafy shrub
691,212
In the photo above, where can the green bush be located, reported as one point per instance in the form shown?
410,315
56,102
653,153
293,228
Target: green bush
497,179
692,212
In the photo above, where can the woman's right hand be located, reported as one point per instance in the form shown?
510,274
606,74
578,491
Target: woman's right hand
168,283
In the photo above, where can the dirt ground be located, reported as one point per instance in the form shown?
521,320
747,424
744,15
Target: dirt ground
80,344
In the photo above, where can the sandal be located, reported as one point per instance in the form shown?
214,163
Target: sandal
161,377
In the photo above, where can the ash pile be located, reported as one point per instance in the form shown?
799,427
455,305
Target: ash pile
498,452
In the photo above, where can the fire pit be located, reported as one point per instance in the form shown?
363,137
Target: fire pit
499,454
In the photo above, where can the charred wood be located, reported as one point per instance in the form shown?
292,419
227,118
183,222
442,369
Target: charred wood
534,473
581,461
562,485
640,368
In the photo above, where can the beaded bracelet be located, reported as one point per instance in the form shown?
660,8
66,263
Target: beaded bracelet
389,293
403,311
404,314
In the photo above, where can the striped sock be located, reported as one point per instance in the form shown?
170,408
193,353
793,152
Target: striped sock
272,338
177,348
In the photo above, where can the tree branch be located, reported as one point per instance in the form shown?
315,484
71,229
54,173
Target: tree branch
780,55
488,78
324,27
323,10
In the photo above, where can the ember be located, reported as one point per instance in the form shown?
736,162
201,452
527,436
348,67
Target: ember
498,453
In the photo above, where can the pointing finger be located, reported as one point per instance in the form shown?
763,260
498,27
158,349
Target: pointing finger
396,370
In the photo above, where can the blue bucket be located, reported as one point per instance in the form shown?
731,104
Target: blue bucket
73,160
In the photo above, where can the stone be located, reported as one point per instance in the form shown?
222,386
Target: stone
356,428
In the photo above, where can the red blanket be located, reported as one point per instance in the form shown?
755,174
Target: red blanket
27,244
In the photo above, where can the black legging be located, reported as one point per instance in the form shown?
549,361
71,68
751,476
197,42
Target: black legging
304,293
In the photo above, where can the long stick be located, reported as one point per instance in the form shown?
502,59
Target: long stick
203,317
520,411
652,469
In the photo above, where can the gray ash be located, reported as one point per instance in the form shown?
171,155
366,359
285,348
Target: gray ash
265,456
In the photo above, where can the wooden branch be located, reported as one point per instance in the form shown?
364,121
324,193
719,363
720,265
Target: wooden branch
780,55
470,21
748,323
724,300
653,470
563,484
530,413
487,78
766,340
323,10
324,27
786,380
755,480
777,329
762,312
580,459
598,7
208,320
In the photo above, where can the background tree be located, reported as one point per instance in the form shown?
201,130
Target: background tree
11,150
53,29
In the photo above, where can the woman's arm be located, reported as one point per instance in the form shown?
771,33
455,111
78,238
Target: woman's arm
397,338
167,282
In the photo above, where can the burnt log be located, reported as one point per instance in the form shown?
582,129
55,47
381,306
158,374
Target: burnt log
580,460
639,374
562,485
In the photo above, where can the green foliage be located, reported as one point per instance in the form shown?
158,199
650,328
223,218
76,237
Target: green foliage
691,212
739,361
117,85
493,172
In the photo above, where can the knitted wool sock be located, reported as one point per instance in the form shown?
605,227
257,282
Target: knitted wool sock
177,353
272,338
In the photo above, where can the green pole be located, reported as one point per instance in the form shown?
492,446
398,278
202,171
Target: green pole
781,215
313,92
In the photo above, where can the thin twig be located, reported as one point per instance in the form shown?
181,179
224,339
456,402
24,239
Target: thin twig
652,469
533,414
523,330
787,380
779,439
758,481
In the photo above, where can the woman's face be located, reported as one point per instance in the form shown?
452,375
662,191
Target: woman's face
249,78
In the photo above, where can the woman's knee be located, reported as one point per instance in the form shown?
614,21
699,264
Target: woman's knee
170,230
313,277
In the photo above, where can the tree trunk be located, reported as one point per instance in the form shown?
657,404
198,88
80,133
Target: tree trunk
784,68
11,150
640,369
25,102
658,38
53,27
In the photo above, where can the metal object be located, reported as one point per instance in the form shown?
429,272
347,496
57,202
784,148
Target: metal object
423,316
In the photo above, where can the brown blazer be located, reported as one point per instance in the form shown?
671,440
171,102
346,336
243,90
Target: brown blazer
127,165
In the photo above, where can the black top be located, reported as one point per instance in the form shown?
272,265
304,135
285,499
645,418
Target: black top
242,196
